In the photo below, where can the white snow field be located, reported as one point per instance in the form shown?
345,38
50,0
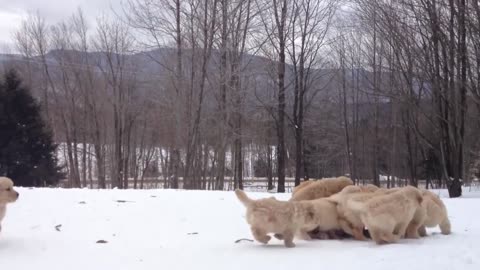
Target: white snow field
50,229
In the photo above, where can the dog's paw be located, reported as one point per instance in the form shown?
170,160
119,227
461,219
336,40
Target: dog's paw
422,231
265,239
412,236
289,244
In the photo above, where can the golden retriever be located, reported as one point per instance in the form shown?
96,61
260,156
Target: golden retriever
7,195
287,219
349,219
321,188
321,215
432,213
387,215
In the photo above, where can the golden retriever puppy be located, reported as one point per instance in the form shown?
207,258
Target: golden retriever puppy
432,213
436,213
7,195
413,228
272,216
320,214
302,185
321,188
387,215
287,219
349,219
321,220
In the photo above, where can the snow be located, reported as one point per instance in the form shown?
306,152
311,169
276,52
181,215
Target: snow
152,229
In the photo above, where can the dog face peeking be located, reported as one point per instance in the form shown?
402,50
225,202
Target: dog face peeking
7,193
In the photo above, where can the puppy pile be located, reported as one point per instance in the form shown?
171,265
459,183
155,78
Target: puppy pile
7,195
334,204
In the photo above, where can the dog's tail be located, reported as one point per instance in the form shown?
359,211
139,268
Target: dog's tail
242,197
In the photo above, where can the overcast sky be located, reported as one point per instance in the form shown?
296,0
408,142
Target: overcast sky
13,11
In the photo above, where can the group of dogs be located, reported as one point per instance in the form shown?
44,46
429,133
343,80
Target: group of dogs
333,206
327,208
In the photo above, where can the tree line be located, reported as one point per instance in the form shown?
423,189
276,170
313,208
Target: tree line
196,94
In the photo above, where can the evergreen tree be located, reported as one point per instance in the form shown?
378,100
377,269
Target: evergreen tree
27,151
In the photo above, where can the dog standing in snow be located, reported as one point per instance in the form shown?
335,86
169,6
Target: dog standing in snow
387,216
432,213
288,219
7,195
272,216
349,219
314,190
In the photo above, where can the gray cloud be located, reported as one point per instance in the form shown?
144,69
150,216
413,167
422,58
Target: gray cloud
53,11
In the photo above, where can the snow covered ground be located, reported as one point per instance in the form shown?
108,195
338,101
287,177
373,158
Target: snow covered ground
50,229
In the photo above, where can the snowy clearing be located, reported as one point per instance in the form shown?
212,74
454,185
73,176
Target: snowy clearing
167,229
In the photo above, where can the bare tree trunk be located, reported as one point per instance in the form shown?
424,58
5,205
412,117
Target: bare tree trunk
280,13
376,179
209,25
223,98
175,155
343,98
269,168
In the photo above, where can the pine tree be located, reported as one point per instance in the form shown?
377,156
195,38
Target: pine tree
27,151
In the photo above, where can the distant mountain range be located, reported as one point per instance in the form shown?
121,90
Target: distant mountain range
155,64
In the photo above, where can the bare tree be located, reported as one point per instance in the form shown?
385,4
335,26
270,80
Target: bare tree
114,41
311,21
274,18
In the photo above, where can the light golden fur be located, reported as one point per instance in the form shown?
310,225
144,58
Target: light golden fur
387,215
431,214
321,188
349,219
287,219
387,190
369,188
302,185
321,214
7,195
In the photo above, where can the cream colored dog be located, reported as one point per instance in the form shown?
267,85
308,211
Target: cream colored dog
272,216
349,219
7,195
432,213
321,188
287,219
321,215
387,215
